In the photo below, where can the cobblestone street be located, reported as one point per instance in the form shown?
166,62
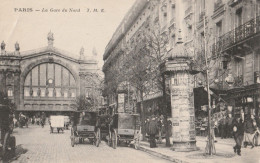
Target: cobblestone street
36,144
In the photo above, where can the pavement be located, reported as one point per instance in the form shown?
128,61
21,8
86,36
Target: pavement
224,152
37,145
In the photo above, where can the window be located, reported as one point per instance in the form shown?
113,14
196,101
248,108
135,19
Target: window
72,94
219,28
10,92
26,92
238,18
189,36
239,67
65,94
42,93
35,92
172,41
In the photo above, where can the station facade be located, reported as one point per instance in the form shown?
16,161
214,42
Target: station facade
46,79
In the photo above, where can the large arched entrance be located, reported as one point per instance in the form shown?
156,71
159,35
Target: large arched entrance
49,87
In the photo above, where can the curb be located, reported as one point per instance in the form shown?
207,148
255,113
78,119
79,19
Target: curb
156,154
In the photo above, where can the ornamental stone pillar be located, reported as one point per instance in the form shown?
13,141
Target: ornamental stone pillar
178,68
82,88
16,92
182,105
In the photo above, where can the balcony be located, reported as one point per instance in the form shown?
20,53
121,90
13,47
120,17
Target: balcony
237,35
238,81
233,3
218,4
188,11
201,16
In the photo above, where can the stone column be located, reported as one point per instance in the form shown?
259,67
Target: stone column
182,104
2,80
17,88
82,83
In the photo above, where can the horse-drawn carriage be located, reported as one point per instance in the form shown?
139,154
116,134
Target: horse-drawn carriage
124,127
7,141
85,124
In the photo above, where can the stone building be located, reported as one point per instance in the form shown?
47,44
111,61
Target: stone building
46,79
143,16
225,33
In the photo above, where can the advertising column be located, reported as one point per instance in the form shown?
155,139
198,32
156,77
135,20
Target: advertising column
183,116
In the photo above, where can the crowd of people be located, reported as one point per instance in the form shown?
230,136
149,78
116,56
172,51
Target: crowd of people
23,120
244,130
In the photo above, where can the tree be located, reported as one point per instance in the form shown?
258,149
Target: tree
141,66
83,103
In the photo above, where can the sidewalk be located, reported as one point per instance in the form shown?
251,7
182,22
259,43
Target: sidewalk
224,152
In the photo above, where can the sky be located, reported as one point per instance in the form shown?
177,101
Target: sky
20,22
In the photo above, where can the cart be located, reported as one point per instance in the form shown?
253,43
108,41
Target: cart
124,127
7,141
56,121
85,125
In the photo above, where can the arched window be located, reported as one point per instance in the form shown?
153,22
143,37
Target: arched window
10,92
50,79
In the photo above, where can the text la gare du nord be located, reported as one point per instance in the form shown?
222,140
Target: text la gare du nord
58,10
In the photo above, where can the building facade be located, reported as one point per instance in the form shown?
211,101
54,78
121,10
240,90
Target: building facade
142,17
226,32
46,79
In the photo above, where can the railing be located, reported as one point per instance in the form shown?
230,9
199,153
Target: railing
171,21
201,16
217,4
232,3
240,33
188,11
238,81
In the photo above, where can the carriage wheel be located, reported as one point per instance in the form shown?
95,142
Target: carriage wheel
72,138
5,145
109,142
97,137
114,140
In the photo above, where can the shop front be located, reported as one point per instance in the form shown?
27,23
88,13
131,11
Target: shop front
245,100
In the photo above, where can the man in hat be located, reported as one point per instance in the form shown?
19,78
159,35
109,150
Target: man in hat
229,126
152,130
238,131
223,127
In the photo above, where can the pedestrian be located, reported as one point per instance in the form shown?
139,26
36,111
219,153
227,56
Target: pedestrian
229,126
146,127
257,136
160,128
250,130
33,120
238,133
153,129
223,127
168,130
